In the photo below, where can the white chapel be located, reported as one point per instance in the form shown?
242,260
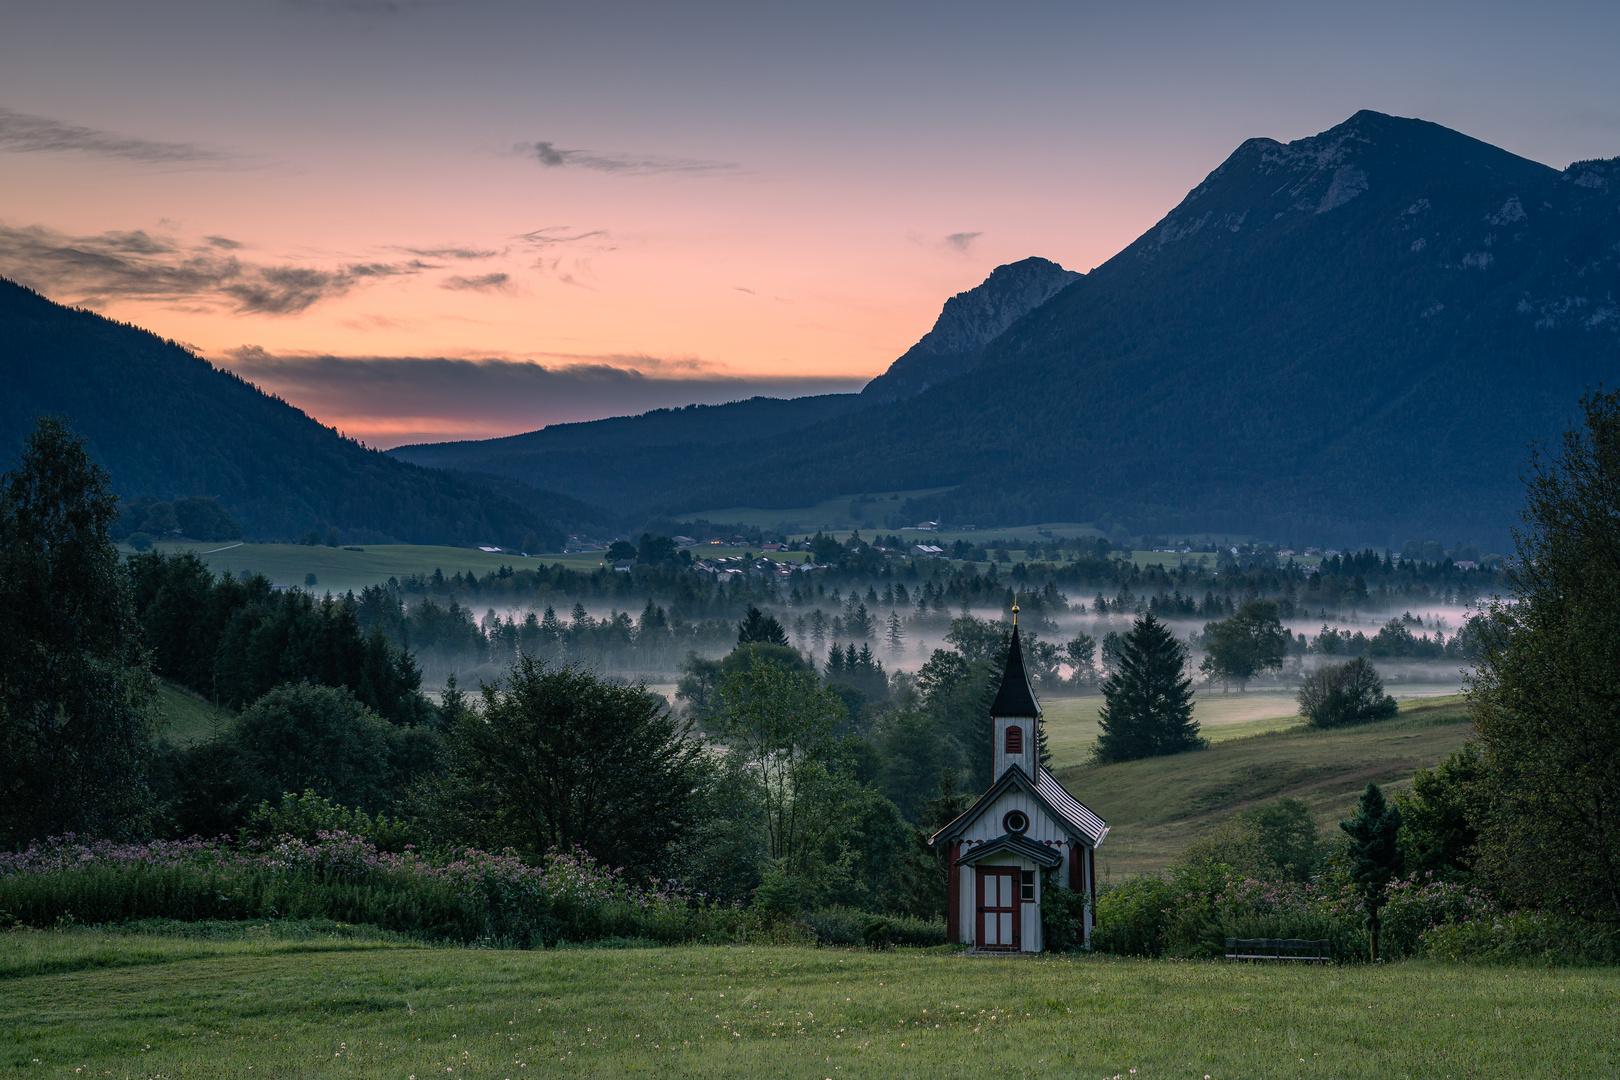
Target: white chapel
1024,825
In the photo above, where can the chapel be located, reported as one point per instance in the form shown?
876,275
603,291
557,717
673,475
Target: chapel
1026,825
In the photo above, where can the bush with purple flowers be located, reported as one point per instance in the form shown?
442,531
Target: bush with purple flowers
469,895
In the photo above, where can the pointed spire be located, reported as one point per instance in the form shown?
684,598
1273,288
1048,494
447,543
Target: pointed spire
1016,697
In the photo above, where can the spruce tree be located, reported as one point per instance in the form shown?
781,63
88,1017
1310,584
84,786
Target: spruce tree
75,729
1375,858
1147,707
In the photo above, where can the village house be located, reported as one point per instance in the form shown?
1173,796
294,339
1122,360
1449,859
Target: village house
1025,833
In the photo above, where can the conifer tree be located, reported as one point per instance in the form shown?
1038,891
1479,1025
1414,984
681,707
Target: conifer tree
1147,709
897,634
75,732
1375,858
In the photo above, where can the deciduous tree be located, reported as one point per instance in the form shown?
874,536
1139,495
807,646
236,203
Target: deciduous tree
1335,695
1545,694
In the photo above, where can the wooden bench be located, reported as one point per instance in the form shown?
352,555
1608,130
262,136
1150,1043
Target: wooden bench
1262,948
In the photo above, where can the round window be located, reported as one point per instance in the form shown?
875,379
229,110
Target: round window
1016,821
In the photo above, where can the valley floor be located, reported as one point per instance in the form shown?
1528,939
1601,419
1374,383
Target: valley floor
81,1003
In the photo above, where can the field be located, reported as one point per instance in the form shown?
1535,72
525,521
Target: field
186,717
80,1003
1156,807
337,570
829,515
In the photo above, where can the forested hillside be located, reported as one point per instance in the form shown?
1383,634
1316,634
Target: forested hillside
167,423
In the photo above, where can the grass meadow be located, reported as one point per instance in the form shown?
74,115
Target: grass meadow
187,718
1157,806
88,1004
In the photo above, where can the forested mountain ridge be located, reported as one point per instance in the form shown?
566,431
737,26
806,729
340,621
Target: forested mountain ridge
632,462
164,421
1357,333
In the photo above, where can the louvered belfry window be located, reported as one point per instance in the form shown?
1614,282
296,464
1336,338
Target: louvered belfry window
1015,740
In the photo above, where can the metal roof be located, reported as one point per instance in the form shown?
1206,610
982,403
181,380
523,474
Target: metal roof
1068,811
1070,808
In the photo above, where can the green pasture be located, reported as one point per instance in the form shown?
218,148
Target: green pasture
77,1004
1158,806
1072,723
337,570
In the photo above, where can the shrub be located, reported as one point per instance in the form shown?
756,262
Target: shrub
475,896
1524,937
1131,917
1335,695
1062,914
848,926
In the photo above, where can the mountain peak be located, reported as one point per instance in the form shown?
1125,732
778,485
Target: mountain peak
968,322
1266,181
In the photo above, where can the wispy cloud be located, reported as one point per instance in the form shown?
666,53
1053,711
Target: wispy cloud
962,241
24,134
551,235
137,265
554,157
452,253
481,283
391,400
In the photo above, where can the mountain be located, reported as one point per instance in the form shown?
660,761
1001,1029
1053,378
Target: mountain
165,422
632,462
971,320
1353,336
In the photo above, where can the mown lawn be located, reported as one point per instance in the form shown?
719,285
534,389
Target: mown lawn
150,1006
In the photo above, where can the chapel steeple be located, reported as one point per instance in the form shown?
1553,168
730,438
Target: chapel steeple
1015,713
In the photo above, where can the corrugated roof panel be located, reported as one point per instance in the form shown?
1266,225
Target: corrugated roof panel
1072,809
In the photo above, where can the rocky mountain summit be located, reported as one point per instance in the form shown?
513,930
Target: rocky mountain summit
970,321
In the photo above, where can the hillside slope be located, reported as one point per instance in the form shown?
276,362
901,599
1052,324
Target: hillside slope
1353,336
166,422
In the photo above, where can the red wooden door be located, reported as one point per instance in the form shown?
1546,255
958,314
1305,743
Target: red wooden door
998,907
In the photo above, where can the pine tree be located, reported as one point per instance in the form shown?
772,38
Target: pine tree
1375,859
1147,707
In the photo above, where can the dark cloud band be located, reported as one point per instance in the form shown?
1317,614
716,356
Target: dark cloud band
394,400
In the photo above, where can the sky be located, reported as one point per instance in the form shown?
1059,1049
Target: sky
428,219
